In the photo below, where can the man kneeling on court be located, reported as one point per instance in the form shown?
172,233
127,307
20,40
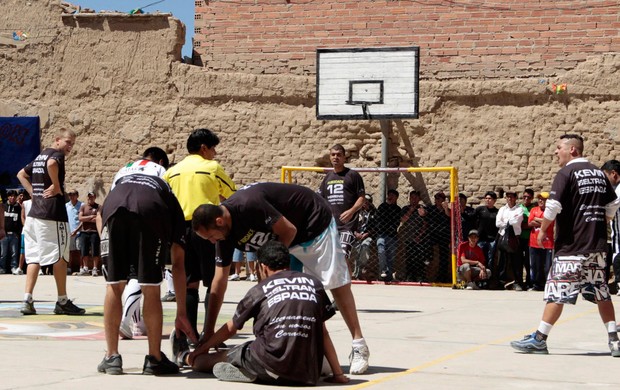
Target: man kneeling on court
289,309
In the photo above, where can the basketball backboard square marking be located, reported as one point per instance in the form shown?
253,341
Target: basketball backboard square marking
365,92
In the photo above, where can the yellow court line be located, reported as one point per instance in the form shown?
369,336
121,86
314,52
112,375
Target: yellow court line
458,354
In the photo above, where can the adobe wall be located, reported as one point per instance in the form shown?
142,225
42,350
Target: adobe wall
117,81
457,39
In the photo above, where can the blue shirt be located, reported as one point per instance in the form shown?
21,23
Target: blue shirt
73,213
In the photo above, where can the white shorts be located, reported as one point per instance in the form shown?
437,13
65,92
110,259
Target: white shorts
46,241
324,258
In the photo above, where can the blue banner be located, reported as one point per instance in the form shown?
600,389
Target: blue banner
20,143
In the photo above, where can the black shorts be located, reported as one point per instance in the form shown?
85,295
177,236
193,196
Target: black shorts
242,356
89,244
199,258
134,250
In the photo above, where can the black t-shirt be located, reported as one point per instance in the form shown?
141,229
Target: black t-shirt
342,190
255,208
150,198
387,219
13,218
53,208
415,229
289,309
583,190
487,230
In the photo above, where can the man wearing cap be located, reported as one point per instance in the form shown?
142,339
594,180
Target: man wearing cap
467,216
470,261
73,212
487,231
540,255
11,243
363,236
583,202
439,235
387,219
89,238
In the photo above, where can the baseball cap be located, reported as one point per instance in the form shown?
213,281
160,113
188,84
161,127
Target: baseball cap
368,197
544,195
91,193
472,231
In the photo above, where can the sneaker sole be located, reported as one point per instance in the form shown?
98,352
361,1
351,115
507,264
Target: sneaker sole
229,373
28,313
68,314
111,370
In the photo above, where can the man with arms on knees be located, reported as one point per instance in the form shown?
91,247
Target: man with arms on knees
195,180
344,191
470,262
47,238
142,217
289,310
300,219
582,200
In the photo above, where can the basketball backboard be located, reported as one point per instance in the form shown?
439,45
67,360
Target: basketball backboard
367,83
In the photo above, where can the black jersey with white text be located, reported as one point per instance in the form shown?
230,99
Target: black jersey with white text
342,190
255,208
583,190
52,209
288,309
152,199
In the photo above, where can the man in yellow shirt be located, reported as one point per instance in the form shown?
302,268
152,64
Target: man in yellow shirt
196,180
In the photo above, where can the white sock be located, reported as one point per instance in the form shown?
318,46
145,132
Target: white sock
611,327
28,297
544,328
359,342
62,299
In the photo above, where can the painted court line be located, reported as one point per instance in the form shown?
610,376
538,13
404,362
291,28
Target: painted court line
461,353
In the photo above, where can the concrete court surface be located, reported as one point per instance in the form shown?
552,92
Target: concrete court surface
419,337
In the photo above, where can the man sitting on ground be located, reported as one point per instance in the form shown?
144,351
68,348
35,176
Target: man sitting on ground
288,309
471,262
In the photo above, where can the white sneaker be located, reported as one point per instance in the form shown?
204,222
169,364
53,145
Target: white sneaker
83,272
138,329
233,277
95,272
358,360
253,278
17,271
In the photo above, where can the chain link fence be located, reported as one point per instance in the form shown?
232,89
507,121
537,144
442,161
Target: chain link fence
404,238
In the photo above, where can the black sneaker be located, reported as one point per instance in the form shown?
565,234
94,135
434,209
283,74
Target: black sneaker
112,365
179,348
68,308
161,367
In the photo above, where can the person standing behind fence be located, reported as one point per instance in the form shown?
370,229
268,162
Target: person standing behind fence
509,217
89,238
47,239
540,255
387,220
344,191
582,201
439,236
73,212
485,216
364,237
524,237
414,233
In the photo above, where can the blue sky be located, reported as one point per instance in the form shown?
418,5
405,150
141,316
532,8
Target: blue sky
181,9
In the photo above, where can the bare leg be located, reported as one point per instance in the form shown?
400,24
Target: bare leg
606,310
32,273
346,304
205,362
153,319
96,262
552,312
112,311
60,275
